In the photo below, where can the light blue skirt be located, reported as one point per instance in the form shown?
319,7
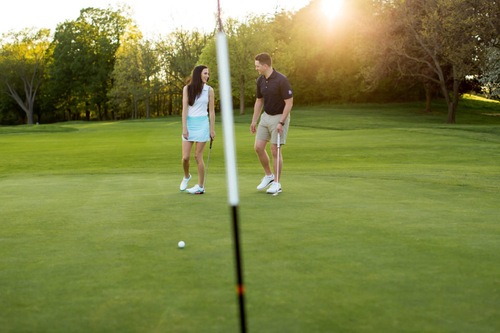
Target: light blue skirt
199,129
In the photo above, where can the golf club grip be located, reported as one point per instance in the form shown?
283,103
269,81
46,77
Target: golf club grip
211,141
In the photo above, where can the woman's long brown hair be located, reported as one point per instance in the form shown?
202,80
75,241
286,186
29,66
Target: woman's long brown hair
195,86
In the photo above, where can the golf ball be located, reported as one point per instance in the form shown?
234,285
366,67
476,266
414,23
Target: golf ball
181,244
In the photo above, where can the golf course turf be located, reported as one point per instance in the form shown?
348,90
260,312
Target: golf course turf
388,222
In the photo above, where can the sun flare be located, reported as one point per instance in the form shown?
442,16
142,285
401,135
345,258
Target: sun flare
332,8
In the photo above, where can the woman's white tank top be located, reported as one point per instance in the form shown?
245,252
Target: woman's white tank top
200,106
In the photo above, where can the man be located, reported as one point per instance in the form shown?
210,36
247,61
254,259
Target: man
275,98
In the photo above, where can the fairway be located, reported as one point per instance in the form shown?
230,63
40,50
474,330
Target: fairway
388,222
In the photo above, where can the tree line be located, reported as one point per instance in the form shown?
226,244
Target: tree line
101,67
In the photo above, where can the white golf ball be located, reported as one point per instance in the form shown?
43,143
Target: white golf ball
181,244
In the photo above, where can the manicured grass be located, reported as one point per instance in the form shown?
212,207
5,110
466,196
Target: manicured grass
389,222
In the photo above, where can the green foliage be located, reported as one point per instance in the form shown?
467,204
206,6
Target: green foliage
101,66
179,54
84,58
491,73
438,43
245,41
256,36
23,58
130,80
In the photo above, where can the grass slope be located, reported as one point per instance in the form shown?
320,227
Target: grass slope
388,223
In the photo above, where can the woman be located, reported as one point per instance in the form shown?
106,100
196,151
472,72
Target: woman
197,98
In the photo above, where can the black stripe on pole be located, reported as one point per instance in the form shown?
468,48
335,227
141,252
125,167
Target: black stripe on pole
240,287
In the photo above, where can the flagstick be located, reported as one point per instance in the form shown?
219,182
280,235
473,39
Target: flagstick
230,158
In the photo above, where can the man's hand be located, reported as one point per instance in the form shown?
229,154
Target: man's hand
253,127
279,128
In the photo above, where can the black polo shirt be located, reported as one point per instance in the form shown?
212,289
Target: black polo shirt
275,89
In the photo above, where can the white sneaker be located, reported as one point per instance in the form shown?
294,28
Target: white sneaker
184,183
197,189
265,182
275,188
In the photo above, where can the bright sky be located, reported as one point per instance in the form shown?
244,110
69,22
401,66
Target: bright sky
152,16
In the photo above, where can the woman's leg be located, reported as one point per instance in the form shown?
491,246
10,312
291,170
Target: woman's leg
186,153
198,156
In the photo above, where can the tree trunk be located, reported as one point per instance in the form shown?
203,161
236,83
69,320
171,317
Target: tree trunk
242,95
428,96
451,113
135,112
170,109
26,105
452,106
29,114
449,103
87,111
148,111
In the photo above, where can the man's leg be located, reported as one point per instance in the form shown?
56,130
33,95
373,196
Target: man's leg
260,149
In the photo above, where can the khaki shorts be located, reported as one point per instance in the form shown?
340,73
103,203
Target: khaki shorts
266,131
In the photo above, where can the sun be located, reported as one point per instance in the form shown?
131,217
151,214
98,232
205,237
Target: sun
332,8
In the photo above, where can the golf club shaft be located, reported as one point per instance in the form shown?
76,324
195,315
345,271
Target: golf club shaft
278,159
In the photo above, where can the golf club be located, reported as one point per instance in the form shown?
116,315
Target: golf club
278,165
208,161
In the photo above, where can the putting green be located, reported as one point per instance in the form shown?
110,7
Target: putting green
388,222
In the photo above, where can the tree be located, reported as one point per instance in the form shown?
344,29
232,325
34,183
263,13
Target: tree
490,77
178,54
439,41
128,76
245,40
253,37
22,64
151,68
84,58
318,54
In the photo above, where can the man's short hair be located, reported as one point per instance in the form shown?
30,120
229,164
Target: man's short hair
264,58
